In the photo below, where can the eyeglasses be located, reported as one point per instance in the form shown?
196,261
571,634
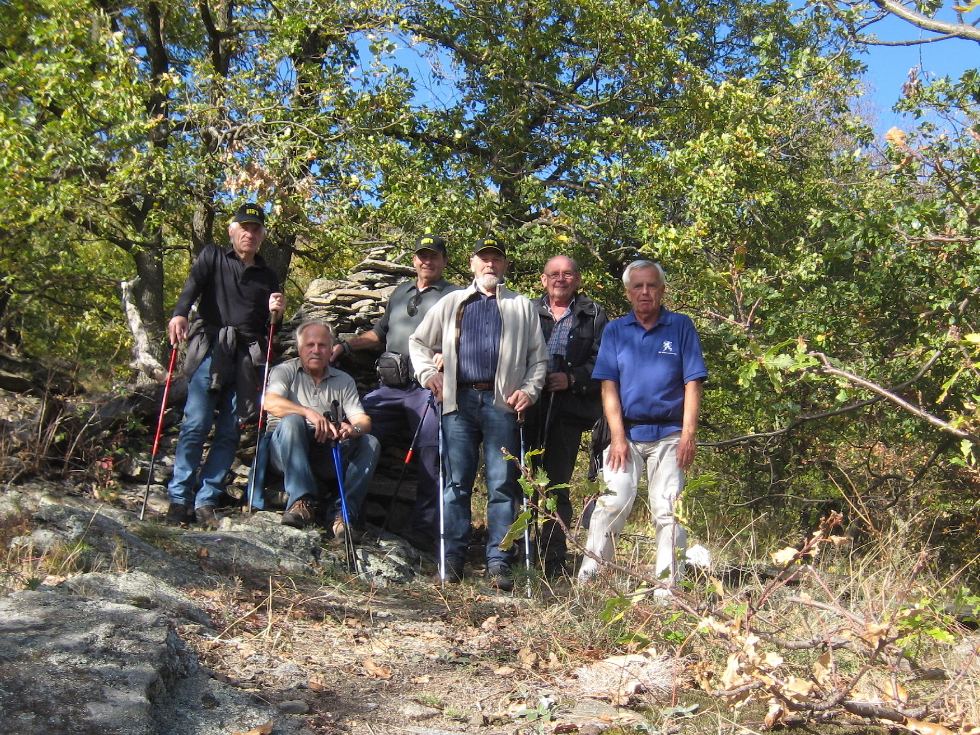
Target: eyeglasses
568,275
412,307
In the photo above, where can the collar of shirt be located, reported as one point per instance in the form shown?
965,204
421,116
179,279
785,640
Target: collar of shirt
230,253
665,317
568,309
439,285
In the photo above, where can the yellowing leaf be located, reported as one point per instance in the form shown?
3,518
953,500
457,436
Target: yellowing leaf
784,556
896,137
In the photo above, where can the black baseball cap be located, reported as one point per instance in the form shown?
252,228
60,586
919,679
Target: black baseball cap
488,243
432,242
250,213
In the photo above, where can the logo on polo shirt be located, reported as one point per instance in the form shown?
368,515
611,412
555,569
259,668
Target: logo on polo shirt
667,348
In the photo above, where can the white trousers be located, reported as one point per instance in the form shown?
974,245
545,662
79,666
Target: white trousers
665,481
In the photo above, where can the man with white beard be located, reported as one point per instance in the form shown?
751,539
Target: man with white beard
494,364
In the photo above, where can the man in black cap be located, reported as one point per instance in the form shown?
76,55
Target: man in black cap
495,360
399,404
238,295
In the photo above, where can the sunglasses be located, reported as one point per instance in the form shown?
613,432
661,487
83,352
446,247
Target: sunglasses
413,304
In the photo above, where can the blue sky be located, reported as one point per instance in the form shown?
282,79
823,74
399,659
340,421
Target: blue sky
888,66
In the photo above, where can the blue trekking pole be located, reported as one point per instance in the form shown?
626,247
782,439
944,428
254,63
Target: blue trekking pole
339,471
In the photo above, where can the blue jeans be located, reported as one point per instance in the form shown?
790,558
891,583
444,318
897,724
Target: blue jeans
395,415
477,421
205,487
303,461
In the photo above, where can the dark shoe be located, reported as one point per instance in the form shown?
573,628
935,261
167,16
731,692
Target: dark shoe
555,569
501,577
178,514
454,571
206,516
300,514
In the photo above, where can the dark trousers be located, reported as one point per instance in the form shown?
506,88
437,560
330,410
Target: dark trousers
561,447
395,415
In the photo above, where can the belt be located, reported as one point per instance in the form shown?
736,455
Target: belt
477,386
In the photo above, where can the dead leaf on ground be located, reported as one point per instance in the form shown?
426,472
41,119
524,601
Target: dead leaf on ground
317,683
378,671
265,729
823,667
504,671
775,714
921,727
528,658
202,552
424,679
490,623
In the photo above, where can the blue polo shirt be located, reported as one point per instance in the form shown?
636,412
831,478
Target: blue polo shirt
651,368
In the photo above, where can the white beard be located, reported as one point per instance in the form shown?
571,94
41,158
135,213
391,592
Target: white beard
487,282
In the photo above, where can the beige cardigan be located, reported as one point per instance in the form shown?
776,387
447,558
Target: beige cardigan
521,364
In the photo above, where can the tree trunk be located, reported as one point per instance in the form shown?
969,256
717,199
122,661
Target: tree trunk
143,306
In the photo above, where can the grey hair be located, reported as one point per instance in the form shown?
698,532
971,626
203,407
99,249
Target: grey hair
641,265
570,259
311,323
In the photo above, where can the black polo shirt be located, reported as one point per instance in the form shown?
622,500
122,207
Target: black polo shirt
231,293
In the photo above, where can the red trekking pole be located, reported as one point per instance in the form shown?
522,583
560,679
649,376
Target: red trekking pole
261,426
156,439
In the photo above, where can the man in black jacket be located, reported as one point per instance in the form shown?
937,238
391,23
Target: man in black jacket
572,325
238,295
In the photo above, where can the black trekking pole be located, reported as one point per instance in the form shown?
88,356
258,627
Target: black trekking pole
527,524
408,458
156,438
259,455
338,465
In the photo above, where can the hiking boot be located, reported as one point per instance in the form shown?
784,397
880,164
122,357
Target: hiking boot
178,514
206,517
454,571
555,569
339,529
501,577
300,514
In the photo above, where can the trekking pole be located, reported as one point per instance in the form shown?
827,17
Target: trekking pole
253,471
338,465
527,526
408,458
442,506
156,438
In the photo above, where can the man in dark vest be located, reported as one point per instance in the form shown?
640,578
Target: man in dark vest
570,404
238,294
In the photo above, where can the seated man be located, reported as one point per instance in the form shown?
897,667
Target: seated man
303,394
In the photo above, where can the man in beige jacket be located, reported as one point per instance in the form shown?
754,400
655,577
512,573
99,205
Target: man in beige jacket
494,364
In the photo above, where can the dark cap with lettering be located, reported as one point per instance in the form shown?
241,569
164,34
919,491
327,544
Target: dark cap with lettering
250,213
489,243
428,241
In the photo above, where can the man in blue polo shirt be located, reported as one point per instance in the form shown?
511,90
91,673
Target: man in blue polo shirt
652,370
